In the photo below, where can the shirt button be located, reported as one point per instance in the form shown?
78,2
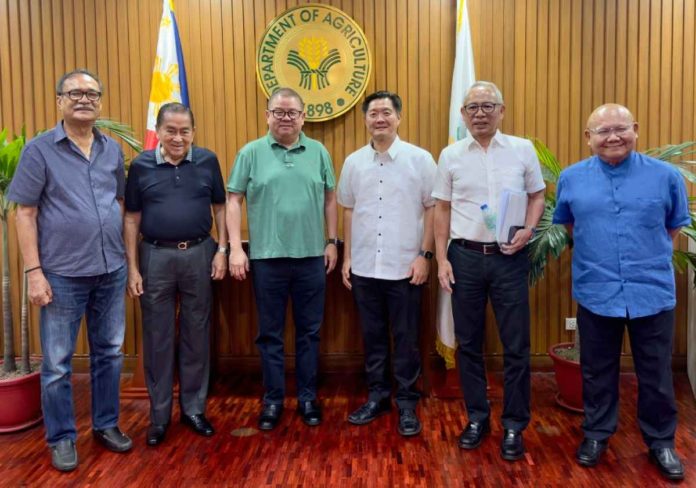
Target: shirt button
380,181
380,198
380,216
379,234
379,250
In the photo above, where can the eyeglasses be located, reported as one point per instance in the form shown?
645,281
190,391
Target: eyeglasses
280,114
487,107
605,132
76,95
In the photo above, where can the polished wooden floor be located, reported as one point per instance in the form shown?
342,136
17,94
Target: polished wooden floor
337,454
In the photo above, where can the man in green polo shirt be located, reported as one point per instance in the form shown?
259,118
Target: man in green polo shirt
289,182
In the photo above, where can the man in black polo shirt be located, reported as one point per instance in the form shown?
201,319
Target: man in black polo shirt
169,194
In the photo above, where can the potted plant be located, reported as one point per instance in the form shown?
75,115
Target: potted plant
552,240
20,385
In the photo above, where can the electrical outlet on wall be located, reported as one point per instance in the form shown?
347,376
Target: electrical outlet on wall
571,323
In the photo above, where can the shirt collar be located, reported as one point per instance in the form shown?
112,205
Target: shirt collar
498,139
616,168
392,151
159,159
301,142
59,133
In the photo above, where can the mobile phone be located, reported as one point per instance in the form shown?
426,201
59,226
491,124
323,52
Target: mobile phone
513,231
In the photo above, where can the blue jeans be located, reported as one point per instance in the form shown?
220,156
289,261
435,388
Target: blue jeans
101,300
275,281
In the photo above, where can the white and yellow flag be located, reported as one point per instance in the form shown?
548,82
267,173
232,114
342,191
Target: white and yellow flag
462,78
168,74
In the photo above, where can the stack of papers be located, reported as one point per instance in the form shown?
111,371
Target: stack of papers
512,211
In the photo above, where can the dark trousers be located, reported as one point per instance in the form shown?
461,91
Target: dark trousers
381,303
169,273
304,281
600,353
503,279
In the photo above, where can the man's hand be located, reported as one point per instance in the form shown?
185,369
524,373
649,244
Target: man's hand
219,266
345,273
522,237
39,289
135,283
445,275
419,270
239,264
330,257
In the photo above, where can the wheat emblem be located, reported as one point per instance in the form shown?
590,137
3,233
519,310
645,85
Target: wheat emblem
313,59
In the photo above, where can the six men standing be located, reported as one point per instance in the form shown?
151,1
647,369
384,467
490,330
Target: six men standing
622,207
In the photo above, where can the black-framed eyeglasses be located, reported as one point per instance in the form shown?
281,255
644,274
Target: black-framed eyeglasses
487,107
605,132
281,114
76,95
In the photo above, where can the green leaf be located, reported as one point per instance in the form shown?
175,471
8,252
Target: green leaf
122,131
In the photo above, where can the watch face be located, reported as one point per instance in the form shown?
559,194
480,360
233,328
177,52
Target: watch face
426,254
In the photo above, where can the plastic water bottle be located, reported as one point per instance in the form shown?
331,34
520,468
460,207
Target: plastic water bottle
488,217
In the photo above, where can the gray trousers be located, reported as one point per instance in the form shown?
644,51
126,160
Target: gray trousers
169,273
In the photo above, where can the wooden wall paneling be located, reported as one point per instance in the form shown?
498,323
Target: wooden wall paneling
5,71
611,68
420,138
520,63
431,102
664,111
410,130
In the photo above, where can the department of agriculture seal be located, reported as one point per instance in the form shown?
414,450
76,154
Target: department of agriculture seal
321,53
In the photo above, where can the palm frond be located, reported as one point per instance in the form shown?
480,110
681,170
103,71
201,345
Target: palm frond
550,167
122,131
550,239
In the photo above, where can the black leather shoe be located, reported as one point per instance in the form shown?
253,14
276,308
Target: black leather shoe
473,434
113,439
369,411
64,455
155,434
590,452
310,412
512,446
667,461
408,422
270,416
198,423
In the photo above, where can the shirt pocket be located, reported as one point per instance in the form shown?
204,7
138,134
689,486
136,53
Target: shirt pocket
650,212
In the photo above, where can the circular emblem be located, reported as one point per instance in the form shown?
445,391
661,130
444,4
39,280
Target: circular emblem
320,52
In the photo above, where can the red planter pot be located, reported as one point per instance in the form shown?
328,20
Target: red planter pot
568,379
20,402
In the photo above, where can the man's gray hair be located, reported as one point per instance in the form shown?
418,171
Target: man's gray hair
488,86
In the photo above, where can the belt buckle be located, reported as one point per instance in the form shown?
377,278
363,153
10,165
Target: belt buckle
486,252
183,245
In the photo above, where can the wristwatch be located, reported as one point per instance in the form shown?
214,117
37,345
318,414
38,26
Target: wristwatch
332,240
223,250
533,229
425,254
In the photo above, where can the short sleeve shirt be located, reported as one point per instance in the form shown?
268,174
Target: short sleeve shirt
388,193
622,253
79,215
468,177
284,190
175,200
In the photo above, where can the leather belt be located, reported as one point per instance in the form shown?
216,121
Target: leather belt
183,245
482,247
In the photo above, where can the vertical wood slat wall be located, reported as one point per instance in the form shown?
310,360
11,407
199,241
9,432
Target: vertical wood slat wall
554,60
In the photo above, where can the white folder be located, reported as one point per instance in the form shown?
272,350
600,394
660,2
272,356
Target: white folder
512,211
